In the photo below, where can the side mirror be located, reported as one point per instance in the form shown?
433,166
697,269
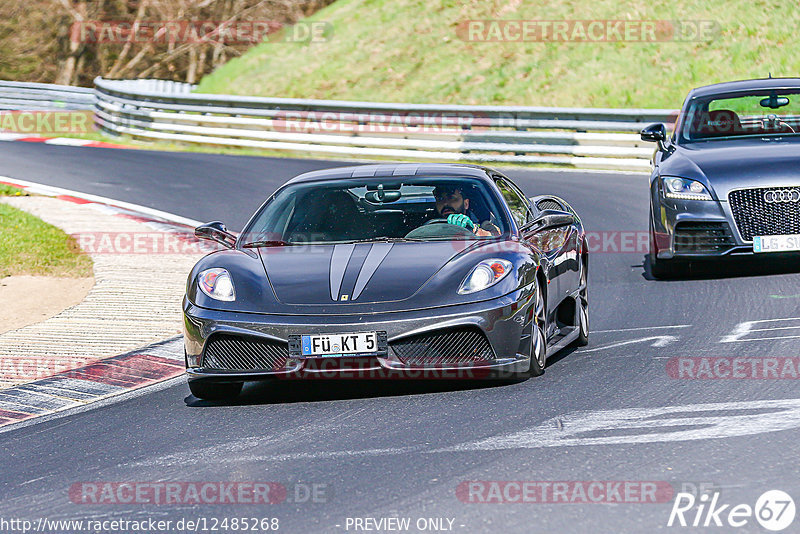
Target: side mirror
216,231
551,219
656,133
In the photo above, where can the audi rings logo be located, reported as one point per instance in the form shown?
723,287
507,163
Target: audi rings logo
782,195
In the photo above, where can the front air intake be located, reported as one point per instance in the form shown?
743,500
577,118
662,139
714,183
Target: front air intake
703,237
443,347
241,353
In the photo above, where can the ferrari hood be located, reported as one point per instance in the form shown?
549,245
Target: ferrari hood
359,273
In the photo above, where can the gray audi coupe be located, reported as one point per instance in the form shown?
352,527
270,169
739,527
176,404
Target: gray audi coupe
726,183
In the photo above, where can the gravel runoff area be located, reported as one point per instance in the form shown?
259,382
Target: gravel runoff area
140,269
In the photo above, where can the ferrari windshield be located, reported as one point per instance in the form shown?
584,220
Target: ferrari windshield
757,113
413,209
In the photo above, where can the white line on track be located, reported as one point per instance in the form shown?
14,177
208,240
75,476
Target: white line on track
642,328
743,329
626,426
776,328
658,341
760,339
649,425
55,191
774,320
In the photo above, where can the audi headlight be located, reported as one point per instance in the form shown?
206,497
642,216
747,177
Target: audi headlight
217,284
486,274
684,189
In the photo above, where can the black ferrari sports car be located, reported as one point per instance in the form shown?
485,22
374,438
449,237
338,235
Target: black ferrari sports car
392,270
726,183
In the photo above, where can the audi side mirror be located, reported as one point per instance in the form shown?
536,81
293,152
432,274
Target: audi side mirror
655,133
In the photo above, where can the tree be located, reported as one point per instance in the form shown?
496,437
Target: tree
73,41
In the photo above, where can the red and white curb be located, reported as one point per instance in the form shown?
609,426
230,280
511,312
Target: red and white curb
64,141
106,377
97,381
118,207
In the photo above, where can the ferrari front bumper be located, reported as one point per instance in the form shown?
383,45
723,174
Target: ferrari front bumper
498,324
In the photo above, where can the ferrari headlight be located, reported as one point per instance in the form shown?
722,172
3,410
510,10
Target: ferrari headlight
684,189
217,284
486,274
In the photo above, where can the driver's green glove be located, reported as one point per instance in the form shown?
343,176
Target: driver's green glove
459,219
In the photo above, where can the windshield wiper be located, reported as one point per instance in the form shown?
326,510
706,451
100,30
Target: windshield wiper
384,239
268,243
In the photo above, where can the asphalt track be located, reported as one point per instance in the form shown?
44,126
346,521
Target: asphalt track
608,412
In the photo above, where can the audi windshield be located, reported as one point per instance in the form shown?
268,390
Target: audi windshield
765,113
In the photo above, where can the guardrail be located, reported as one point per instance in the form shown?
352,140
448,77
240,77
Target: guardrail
164,110
587,138
44,96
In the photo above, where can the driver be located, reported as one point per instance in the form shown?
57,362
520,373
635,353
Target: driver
453,206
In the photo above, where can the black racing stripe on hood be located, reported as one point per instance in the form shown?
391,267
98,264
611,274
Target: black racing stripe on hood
376,255
339,260
353,268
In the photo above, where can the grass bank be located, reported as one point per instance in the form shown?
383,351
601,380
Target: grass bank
419,51
28,245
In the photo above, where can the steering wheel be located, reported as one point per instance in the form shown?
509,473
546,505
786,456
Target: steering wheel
435,221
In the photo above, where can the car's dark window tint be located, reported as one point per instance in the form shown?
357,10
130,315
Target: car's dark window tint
516,203
412,208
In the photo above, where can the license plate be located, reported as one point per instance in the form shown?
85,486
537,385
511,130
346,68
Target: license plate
776,243
335,344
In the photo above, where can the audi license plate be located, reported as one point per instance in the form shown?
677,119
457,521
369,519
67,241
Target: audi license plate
335,344
776,243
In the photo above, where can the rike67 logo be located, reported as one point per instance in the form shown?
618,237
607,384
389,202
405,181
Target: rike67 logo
774,510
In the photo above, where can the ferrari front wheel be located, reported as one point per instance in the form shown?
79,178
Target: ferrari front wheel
538,353
582,305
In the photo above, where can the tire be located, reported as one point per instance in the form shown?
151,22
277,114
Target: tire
538,350
668,269
662,269
582,308
215,390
